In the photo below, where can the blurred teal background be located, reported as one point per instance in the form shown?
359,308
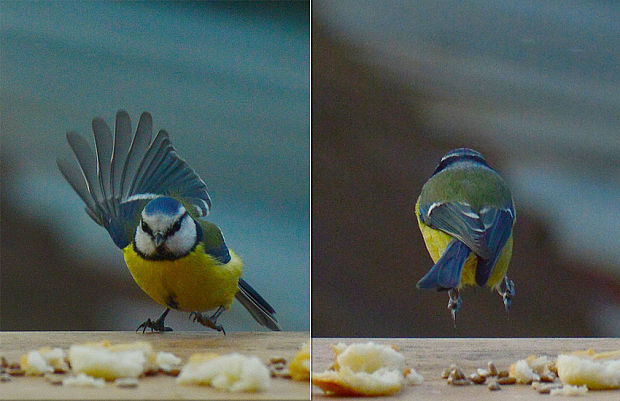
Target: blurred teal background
230,82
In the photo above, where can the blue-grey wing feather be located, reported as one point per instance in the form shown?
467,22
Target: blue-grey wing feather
103,148
88,164
153,156
73,174
122,142
460,221
137,151
117,182
498,224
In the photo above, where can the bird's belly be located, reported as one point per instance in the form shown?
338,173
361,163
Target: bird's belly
196,282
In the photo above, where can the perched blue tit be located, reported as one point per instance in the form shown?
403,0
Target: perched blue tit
466,213
151,201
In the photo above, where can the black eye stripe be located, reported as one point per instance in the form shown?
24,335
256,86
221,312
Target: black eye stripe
146,228
176,226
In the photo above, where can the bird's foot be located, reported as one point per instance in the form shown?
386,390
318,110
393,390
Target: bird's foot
507,291
156,325
454,303
209,321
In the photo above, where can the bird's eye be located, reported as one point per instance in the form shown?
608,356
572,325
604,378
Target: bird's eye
145,227
176,226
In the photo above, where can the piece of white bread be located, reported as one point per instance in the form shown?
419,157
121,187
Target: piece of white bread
113,361
598,371
233,372
365,369
44,360
83,380
531,368
300,365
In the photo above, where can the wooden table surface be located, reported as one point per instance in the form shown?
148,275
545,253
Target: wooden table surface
430,356
183,344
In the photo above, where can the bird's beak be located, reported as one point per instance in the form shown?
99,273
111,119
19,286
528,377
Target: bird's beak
159,239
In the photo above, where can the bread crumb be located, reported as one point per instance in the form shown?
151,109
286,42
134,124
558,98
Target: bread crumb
413,378
530,369
126,382
299,368
569,390
232,372
367,369
83,380
44,360
167,361
596,371
110,362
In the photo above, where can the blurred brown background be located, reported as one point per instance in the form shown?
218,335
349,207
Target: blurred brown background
388,102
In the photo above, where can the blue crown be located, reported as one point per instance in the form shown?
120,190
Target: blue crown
163,205
458,155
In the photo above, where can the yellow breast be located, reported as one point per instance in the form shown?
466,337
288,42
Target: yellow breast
437,241
196,282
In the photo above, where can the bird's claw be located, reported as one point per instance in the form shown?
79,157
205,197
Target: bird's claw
454,303
207,321
156,325
507,291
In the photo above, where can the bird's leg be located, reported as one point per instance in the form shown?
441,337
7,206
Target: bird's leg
157,325
454,303
507,290
209,321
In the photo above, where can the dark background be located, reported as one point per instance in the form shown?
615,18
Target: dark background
534,87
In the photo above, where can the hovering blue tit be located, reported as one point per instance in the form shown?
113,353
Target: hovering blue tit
151,202
466,213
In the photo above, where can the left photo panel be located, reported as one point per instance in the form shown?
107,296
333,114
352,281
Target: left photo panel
155,199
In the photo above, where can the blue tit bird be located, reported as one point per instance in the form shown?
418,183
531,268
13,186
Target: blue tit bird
151,203
466,213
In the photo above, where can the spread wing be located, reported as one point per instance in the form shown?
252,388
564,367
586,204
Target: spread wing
126,171
485,233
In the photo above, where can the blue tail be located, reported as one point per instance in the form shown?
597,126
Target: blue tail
260,310
446,273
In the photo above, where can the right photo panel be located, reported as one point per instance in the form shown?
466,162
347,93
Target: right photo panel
465,186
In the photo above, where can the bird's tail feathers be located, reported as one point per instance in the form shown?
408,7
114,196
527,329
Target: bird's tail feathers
446,273
260,310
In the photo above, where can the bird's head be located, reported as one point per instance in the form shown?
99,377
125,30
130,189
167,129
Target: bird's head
460,155
166,230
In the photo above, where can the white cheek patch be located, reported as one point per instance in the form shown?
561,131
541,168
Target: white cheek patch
182,241
144,243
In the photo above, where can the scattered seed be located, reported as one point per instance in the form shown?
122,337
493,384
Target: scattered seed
53,378
492,369
459,382
456,374
502,373
548,377
493,386
277,360
5,377
483,372
545,388
445,373
126,382
171,372
14,365
3,362
507,380
552,367
15,371
476,378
